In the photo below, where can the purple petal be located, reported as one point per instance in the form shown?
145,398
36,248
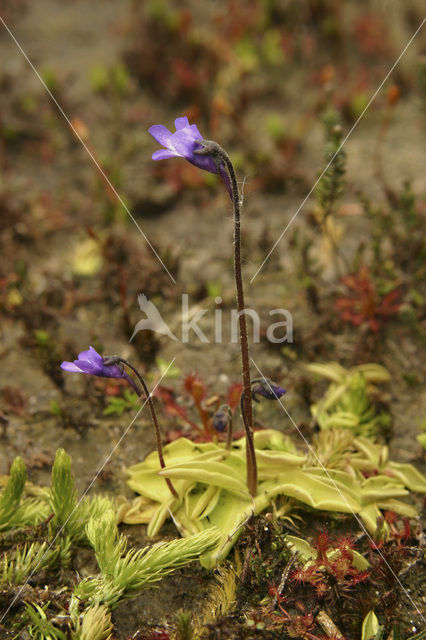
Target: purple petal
163,154
70,366
92,356
90,368
195,133
183,143
161,134
181,123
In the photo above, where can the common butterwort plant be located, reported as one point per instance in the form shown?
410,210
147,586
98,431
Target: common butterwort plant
208,155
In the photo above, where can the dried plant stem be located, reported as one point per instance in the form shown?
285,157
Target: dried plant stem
328,626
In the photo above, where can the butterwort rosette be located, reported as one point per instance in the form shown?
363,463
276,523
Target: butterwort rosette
266,389
91,363
184,143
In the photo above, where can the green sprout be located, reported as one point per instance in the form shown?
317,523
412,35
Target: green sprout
117,405
93,624
347,404
11,496
124,575
114,79
22,562
70,515
16,509
331,186
68,522
41,628
184,625
166,370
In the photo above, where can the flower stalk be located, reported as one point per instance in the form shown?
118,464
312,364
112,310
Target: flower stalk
187,142
224,419
117,360
219,155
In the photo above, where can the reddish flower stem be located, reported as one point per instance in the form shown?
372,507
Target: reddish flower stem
245,354
219,155
118,359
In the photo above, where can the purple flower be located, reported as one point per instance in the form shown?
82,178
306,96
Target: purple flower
221,418
182,144
266,389
92,363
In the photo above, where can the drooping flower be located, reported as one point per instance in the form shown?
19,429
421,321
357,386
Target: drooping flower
93,364
182,144
266,389
221,418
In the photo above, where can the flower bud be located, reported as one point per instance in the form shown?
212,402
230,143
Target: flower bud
221,418
266,389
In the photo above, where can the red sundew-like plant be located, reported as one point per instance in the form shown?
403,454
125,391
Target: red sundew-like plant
335,580
296,625
300,626
332,568
365,306
172,408
371,35
196,390
391,556
399,536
